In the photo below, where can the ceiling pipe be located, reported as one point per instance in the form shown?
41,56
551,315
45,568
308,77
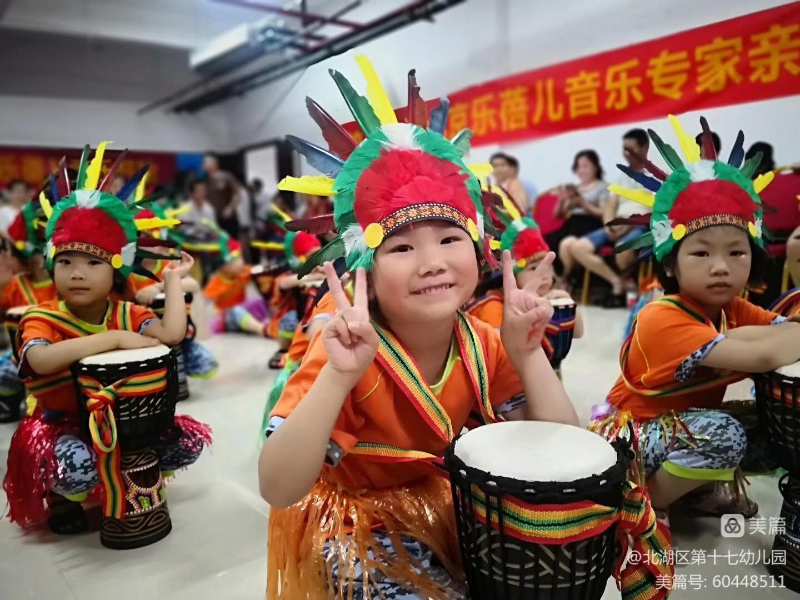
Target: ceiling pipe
304,16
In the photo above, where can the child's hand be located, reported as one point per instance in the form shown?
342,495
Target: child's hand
179,269
147,295
525,314
349,338
130,340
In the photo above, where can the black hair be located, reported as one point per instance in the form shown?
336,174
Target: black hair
767,160
640,135
195,182
758,268
593,158
513,162
15,182
714,138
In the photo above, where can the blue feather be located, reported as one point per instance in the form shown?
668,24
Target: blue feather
323,161
642,178
131,185
737,152
439,116
53,190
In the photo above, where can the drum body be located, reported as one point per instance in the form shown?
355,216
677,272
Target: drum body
492,502
141,421
789,541
560,329
13,317
778,402
158,306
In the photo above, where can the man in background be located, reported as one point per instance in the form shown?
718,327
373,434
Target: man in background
224,194
506,174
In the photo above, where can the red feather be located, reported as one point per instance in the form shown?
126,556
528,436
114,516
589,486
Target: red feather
304,244
339,141
417,108
709,151
315,225
529,243
491,200
403,178
632,220
64,188
654,170
112,172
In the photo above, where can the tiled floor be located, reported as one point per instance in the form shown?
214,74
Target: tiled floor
217,548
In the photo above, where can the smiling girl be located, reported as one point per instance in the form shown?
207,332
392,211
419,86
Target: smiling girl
687,347
358,505
91,249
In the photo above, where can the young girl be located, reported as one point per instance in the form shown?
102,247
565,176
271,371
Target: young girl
393,377
686,347
522,238
91,249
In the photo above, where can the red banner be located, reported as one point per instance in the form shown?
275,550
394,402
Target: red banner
749,58
33,165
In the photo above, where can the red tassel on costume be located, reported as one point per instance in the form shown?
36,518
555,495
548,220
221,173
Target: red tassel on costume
31,467
195,433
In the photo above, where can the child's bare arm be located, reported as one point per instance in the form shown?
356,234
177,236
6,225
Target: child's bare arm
546,398
46,359
766,350
171,329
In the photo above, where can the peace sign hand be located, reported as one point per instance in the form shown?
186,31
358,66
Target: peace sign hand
525,313
349,338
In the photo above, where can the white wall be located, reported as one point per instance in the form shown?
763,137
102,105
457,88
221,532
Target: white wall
482,40
28,121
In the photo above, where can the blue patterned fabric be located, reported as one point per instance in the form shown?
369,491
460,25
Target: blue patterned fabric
198,359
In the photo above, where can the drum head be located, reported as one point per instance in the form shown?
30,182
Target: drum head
257,270
562,302
792,371
536,451
116,357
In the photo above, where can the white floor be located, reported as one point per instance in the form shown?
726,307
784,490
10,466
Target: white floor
217,548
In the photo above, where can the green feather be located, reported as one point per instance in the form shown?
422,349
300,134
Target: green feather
667,152
327,253
751,165
84,165
462,141
642,241
139,204
358,105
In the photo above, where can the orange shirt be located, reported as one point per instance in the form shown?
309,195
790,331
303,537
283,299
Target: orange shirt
23,291
488,308
378,411
226,292
659,359
50,323
137,283
300,341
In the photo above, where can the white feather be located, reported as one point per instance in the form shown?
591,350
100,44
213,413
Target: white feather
481,225
87,198
519,225
702,170
662,230
353,238
759,225
128,254
401,135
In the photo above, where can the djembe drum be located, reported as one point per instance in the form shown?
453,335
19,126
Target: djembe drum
530,526
13,317
126,404
558,335
158,305
778,401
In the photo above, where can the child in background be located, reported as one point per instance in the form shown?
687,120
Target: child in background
523,239
91,249
357,506
688,346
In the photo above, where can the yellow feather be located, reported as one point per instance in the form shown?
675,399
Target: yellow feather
377,95
481,170
316,185
641,196
140,187
763,181
280,213
94,168
174,212
494,244
155,223
200,247
690,148
47,208
266,245
511,208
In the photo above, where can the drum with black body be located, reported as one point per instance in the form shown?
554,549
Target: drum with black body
127,407
511,497
558,335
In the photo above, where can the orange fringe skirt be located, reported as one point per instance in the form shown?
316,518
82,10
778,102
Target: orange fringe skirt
345,519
